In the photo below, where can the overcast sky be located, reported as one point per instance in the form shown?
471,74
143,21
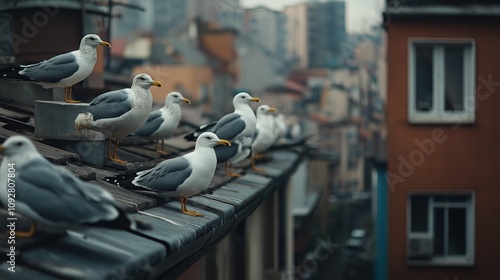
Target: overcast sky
360,14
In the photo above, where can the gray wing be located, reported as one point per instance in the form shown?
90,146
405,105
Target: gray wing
225,153
229,126
52,70
166,176
152,124
194,135
111,104
58,196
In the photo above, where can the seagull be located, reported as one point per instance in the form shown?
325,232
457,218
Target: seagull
119,113
280,126
163,122
182,176
265,133
240,123
239,150
63,70
51,194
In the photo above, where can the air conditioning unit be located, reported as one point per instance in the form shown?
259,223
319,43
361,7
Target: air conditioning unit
420,247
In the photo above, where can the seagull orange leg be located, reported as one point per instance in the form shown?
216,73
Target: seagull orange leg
29,233
230,173
67,96
184,210
160,147
114,156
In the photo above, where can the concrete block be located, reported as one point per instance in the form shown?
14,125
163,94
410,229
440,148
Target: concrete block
56,120
92,152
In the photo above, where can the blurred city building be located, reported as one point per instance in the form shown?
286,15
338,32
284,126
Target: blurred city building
268,27
443,143
318,33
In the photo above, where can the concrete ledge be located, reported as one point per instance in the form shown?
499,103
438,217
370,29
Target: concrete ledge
56,120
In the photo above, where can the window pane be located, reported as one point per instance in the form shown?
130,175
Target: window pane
454,78
423,81
439,231
419,213
457,231
440,198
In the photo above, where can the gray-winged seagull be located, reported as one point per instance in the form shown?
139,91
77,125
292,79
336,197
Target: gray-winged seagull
63,70
240,123
163,122
51,194
182,176
265,133
119,113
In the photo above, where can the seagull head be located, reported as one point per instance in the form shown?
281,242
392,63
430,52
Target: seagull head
210,140
244,98
145,81
176,97
265,110
17,145
94,40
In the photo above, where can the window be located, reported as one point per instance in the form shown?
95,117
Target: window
441,81
441,229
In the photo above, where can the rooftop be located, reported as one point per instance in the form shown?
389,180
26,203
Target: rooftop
175,241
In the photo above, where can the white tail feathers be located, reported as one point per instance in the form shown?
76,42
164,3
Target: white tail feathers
83,120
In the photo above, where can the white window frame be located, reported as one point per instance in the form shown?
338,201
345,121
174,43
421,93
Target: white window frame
438,115
468,259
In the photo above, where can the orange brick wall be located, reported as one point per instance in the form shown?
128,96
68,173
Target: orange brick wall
468,159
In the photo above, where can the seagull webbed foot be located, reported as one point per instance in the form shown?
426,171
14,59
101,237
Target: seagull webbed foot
257,169
25,234
192,213
117,160
70,100
163,153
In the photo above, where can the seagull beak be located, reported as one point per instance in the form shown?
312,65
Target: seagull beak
223,142
104,43
156,83
272,110
2,148
186,100
255,99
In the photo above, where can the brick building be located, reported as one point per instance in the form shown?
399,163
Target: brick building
443,134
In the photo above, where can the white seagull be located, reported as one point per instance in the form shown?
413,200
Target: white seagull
63,70
240,123
119,113
182,176
265,133
163,122
51,194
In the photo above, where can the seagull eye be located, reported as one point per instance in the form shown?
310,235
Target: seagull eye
19,144
209,138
